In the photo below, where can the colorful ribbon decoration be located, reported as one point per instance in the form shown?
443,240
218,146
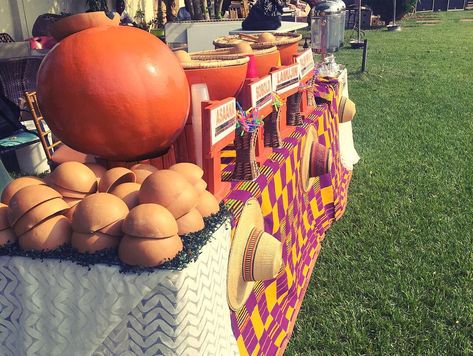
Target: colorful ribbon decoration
248,120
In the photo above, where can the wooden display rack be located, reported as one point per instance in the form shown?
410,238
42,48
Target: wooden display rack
307,65
218,131
285,82
258,93
219,120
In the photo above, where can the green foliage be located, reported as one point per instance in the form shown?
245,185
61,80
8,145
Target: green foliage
384,8
394,276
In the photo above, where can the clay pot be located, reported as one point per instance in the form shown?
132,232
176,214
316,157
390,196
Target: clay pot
125,88
48,235
150,221
17,184
101,212
128,192
94,242
75,177
76,23
171,190
7,237
213,77
207,204
28,198
190,222
38,214
148,252
114,177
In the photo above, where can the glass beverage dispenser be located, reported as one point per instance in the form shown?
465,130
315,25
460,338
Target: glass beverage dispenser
328,30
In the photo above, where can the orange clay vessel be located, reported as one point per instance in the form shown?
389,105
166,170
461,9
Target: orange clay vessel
116,92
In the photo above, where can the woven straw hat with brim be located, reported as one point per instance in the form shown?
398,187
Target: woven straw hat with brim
346,109
280,39
254,256
224,53
316,160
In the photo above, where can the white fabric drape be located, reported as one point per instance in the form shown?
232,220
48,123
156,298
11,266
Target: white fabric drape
59,308
348,154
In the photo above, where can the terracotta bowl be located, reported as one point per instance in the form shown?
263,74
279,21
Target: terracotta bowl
286,52
79,22
222,81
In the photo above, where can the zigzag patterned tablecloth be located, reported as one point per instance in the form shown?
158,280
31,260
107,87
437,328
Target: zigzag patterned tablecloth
264,324
59,308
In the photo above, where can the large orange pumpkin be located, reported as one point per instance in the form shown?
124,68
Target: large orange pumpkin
115,92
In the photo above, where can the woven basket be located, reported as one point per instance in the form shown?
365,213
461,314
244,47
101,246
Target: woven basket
214,62
281,39
224,53
246,167
294,117
272,135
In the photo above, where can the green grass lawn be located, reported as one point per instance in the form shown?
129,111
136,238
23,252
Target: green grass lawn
395,275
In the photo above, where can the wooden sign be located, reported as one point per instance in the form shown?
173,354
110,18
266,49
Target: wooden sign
285,79
222,120
306,62
261,93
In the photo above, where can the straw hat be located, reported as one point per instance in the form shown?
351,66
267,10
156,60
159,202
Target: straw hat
316,160
346,109
254,256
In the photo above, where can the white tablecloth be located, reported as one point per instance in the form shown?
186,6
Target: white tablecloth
59,308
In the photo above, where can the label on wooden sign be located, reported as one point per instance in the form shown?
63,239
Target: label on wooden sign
285,79
222,120
306,61
261,93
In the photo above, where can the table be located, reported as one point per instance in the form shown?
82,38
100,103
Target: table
58,308
286,26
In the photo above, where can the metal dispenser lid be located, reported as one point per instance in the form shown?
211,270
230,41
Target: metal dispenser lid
328,8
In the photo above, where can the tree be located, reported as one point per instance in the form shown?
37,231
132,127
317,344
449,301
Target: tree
384,8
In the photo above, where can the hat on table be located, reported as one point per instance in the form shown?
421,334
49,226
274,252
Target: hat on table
254,255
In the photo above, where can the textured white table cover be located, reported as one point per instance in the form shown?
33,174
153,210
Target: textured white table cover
59,308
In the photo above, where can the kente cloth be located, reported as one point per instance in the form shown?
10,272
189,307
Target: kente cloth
264,324
60,308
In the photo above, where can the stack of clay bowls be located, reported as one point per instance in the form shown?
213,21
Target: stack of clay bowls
35,216
151,236
7,236
121,182
97,223
206,203
108,210
142,171
173,191
74,181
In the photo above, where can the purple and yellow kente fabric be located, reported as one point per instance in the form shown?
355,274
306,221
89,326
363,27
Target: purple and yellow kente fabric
264,324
